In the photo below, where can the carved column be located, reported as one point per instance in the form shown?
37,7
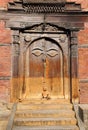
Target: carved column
22,69
15,65
74,66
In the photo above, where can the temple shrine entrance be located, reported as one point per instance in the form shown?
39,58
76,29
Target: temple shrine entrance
44,48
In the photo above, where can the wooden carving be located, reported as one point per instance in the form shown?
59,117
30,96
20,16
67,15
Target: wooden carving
44,27
74,51
43,6
16,45
50,52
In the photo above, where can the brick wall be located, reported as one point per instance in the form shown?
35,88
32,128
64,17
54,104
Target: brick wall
5,56
5,34
83,65
83,56
3,3
84,3
5,90
5,62
83,92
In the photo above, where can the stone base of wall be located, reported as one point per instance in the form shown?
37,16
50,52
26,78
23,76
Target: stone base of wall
83,114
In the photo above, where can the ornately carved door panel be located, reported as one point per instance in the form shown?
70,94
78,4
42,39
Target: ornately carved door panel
44,69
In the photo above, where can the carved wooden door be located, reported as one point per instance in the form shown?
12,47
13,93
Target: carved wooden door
45,69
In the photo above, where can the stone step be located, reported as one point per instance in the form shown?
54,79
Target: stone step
44,121
3,124
43,106
45,113
46,128
44,101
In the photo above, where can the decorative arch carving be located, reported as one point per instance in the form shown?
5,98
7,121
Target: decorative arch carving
44,27
61,41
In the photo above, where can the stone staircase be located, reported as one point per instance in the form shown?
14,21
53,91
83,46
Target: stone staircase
45,115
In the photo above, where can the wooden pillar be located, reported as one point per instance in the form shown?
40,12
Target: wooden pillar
15,66
74,67
21,67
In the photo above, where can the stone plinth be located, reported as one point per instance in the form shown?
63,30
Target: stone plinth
83,114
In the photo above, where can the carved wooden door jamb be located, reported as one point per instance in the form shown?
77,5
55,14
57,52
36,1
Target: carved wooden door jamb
74,66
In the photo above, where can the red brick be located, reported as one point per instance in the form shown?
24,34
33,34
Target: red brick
84,3
86,25
5,90
5,60
5,34
84,93
83,36
83,63
3,3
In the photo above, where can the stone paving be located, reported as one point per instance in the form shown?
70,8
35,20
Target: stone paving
5,110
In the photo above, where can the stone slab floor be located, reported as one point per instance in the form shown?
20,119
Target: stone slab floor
5,110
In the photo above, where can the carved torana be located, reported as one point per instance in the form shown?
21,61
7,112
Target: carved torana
44,27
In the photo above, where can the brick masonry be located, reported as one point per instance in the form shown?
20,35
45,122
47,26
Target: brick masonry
83,92
3,3
5,62
5,90
83,63
84,3
5,34
5,55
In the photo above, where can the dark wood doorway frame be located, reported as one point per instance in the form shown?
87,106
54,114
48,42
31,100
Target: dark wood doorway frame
53,48
30,35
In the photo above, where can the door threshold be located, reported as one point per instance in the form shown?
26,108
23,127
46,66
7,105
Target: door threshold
45,101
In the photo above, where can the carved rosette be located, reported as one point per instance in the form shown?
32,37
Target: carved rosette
63,41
